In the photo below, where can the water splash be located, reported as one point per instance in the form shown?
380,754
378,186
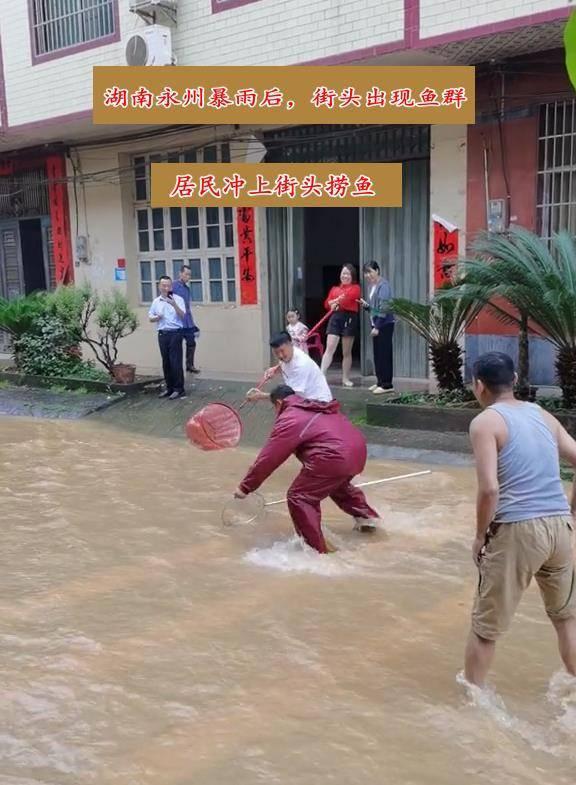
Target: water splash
294,555
562,697
553,737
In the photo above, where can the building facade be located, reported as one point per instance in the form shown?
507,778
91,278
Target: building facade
522,151
74,197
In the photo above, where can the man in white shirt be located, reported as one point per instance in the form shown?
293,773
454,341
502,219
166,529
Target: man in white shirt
299,370
167,312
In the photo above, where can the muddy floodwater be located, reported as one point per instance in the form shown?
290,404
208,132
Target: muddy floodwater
143,643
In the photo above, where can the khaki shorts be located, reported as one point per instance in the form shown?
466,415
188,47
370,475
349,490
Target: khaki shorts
515,553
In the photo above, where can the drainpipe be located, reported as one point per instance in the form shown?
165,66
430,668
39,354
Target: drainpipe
504,165
486,178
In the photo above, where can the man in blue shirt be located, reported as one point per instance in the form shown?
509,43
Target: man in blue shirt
189,331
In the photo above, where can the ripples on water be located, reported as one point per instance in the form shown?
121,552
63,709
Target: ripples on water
142,643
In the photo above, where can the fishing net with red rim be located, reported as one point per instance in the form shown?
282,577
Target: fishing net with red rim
216,426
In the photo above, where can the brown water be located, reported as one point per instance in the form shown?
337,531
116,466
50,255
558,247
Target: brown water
142,643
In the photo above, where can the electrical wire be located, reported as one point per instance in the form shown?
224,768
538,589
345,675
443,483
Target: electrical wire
113,175
261,137
499,110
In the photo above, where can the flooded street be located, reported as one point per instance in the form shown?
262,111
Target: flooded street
143,643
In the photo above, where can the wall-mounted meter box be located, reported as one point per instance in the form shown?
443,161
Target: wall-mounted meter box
497,219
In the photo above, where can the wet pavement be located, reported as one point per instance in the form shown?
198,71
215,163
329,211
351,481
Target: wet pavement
147,415
52,404
144,643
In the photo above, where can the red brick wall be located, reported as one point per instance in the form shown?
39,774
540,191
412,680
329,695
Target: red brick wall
513,150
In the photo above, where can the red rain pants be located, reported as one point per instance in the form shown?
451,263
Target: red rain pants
304,497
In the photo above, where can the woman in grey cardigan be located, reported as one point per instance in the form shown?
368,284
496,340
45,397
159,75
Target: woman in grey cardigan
382,320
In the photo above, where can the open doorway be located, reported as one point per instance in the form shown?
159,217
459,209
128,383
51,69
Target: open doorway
33,255
331,238
23,261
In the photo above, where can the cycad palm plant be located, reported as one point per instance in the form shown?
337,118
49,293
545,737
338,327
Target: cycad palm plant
18,314
500,284
441,323
539,282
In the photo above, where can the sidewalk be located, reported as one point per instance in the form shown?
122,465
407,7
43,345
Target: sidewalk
147,414
159,417
51,404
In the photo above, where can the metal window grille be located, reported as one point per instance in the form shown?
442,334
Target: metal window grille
556,200
204,238
24,194
60,24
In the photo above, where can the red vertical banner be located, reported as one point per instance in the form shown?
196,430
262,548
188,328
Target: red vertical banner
59,218
247,256
6,167
445,252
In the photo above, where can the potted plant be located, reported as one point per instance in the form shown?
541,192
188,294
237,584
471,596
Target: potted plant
124,373
539,282
441,323
105,321
497,277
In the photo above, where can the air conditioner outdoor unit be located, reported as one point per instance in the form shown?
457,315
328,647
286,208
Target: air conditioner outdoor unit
150,46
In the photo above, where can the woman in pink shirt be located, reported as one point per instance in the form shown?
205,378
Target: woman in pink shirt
296,329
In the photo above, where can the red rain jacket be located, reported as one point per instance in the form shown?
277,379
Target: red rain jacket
318,434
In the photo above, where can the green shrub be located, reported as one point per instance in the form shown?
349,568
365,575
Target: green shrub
48,329
67,304
106,320
17,316
46,351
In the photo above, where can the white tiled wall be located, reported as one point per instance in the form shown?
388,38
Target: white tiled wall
266,32
451,15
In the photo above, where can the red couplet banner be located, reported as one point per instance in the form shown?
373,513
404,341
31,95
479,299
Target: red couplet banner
247,256
445,254
58,195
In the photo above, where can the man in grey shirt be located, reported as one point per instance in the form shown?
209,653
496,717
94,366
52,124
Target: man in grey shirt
524,523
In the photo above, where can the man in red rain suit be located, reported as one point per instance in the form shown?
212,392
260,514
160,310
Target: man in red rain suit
331,450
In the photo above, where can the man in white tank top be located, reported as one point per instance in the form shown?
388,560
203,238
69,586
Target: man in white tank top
524,522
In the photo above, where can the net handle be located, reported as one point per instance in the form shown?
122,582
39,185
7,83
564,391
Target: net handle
263,380
319,324
370,482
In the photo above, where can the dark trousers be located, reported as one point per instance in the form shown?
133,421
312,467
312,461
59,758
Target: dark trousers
170,343
190,338
383,355
304,497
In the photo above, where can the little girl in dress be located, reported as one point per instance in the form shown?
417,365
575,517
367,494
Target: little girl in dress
296,330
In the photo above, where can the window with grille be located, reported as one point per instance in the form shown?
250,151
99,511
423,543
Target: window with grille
62,24
556,201
201,237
